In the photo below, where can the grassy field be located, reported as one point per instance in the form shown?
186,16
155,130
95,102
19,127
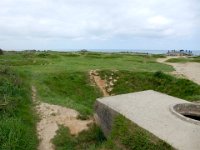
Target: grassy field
63,79
184,59
17,118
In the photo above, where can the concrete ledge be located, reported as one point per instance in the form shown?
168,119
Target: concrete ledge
151,111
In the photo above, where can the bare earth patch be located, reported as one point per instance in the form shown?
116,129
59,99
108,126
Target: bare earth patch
190,70
94,76
51,117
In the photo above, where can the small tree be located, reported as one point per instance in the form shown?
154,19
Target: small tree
1,52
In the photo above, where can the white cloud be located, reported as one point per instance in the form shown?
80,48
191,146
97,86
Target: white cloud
98,19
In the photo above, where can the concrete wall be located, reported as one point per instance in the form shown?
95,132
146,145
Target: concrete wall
104,117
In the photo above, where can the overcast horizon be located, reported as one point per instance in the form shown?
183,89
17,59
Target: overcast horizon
95,24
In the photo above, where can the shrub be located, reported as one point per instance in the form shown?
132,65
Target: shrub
1,52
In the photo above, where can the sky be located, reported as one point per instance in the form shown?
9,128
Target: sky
100,24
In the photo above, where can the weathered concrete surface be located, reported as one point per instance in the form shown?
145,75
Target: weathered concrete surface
151,111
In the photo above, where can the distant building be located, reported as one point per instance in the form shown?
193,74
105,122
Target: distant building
179,53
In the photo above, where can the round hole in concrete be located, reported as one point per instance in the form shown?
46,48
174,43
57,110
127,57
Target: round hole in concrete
191,112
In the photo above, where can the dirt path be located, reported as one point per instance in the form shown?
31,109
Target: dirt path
190,70
94,76
51,116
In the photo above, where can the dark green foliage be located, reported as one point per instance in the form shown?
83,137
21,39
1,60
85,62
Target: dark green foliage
159,56
17,123
138,81
89,139
1,52
47,55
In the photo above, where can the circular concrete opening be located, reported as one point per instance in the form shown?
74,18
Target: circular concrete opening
187,111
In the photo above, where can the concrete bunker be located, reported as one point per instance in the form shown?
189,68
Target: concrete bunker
171,119
187,111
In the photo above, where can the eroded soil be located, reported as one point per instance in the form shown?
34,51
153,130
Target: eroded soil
101,84
51,116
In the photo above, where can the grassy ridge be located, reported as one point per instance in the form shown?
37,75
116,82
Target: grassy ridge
138,81
17,120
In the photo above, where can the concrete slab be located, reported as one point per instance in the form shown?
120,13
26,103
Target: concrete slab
151,111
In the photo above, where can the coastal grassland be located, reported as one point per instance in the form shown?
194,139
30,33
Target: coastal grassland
124,135
138,81
184,59
62,77
55,61
17,118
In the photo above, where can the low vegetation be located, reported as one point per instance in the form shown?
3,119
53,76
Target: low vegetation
184,59
72,90
158,81
1,52
124,135
63,79
17,119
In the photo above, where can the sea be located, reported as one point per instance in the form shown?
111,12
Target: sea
195,52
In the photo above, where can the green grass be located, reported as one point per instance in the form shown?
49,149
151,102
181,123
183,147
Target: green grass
184,60
17,119
56,62
70,89
86,140
138,81
124,135
62,78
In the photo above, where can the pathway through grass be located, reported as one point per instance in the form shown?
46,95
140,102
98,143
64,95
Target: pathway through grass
51,117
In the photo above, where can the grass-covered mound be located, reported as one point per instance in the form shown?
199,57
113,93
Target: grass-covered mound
124,135
72,90
17,120
128,82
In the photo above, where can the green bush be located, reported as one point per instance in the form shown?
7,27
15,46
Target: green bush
85,140
1,52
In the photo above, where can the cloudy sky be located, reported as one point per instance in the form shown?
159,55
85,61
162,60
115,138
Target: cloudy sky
100,24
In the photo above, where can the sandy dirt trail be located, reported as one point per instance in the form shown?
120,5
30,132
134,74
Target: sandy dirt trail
51,116
101,84
190,70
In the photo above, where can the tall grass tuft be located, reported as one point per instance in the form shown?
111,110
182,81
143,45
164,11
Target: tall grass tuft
17,120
